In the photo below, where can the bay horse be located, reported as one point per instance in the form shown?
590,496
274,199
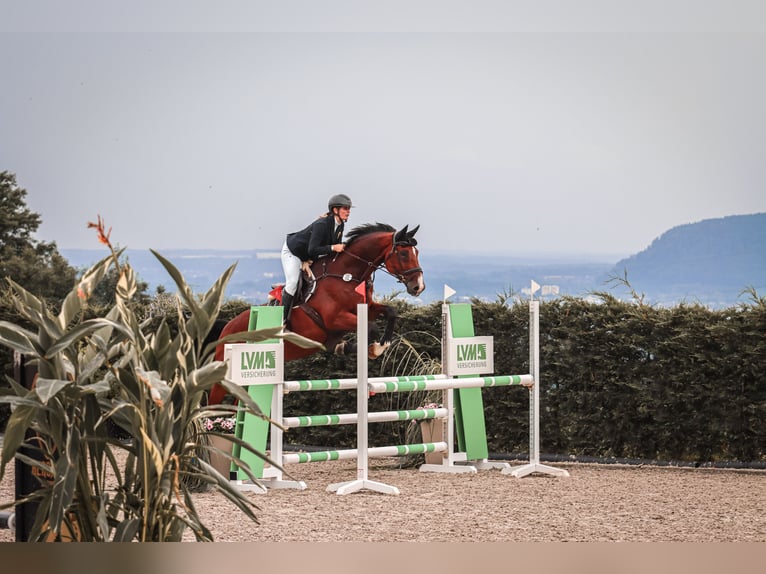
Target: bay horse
329,313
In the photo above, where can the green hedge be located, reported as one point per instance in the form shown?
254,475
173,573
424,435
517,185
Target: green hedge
628,380
618,379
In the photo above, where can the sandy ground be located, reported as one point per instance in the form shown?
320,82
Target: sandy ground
596,503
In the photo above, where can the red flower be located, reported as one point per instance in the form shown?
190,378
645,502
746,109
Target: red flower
102,237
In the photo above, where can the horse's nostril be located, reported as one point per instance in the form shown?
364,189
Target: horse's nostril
416,288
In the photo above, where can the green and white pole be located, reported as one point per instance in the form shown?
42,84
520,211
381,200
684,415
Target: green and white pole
352,418
350,384
373,452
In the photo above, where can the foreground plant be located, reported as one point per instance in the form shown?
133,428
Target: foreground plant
113,370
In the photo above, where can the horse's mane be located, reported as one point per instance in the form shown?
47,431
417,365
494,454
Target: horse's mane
366,229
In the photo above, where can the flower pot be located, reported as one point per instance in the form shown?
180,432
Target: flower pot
218,461
432,431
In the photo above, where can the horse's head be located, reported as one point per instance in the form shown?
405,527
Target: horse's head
402,261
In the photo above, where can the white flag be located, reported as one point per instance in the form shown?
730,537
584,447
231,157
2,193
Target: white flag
534,287
448,291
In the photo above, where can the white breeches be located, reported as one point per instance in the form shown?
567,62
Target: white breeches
291,265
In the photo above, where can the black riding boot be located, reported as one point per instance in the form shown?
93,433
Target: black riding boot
287,302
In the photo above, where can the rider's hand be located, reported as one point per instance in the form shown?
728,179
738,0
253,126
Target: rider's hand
338,247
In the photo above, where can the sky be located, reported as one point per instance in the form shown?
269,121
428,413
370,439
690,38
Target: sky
498,127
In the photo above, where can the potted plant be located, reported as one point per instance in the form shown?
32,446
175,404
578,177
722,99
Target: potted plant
116,370
431,430
219,431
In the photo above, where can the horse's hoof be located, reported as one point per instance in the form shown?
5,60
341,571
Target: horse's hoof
340,348
376,350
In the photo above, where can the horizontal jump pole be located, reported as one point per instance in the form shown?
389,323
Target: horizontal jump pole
351,384
375,417
466,383
378,451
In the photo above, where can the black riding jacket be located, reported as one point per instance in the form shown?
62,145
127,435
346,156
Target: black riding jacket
316,239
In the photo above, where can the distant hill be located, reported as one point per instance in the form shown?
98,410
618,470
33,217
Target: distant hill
708,262
480,276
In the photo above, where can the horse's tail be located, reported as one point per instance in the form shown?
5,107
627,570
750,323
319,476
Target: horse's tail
215,332
220,329
217,393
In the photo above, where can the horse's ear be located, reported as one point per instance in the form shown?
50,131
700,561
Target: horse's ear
401,235
412,233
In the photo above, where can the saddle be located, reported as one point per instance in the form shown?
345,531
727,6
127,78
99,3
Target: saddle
307,284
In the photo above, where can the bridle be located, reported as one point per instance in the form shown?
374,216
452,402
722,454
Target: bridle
401,277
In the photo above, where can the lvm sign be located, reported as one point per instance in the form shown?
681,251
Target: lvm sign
255,363
470,356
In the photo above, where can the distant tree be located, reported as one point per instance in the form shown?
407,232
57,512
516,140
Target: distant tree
35,265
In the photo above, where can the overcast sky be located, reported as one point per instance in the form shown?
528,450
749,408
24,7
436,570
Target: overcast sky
495,129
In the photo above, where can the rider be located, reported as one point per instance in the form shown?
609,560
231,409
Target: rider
322,237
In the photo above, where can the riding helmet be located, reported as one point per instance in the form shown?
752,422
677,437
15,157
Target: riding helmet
340,200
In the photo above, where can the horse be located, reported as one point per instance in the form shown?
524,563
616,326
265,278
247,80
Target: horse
329,312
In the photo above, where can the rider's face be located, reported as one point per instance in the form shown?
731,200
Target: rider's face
343,213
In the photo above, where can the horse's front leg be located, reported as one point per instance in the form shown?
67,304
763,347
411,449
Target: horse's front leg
344,321
380,344
374,349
